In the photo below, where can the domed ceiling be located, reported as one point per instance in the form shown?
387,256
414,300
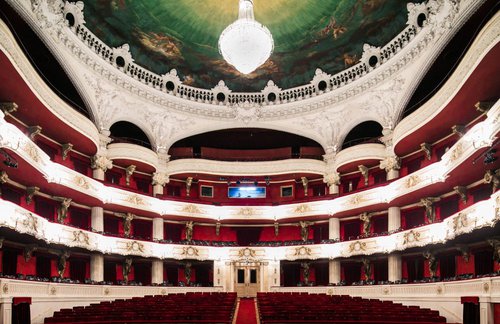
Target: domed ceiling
183,34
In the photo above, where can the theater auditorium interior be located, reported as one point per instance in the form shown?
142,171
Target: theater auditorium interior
250,161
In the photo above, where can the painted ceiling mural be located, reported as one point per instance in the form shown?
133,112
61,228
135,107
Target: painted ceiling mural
183,34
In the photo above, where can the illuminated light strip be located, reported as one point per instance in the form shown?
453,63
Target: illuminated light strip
480,215
481,135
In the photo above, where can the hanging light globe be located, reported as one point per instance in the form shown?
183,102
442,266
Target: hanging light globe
246,44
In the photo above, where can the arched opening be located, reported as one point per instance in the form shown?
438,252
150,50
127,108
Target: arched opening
366,132
246,144
126,132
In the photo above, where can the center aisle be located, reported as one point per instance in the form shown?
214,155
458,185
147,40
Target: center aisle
246,312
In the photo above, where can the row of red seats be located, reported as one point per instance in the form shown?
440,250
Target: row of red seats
322,308
173,308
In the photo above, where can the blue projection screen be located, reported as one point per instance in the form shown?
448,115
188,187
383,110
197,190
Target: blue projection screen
246,192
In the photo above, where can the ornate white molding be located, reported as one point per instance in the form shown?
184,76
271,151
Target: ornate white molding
360,152
481,134
479,215
125,151
197,109
246,168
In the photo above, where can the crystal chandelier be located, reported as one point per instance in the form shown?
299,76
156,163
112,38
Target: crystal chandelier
246,44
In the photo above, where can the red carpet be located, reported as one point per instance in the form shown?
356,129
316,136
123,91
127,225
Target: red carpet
246,312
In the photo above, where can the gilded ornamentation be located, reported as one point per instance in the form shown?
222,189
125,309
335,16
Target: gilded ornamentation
135,200
4,177
486,287
305,184
492,177
135,246
8,107
33,131
428,203
106,291
386,291
28,252
61,263
411,236
390,163
356,200
31,222
301,209
332,178
53,290
462,192
459,222
456,153
163,291
81,237
439,290
62,210
364,172
366,218
30,193
191,209
329,292
246,253
459,130
101,162
5,289
129,171
302,251
127,266
80,181
357,246
32,151
189,182
190,251
246,212
412,181
189,230
127,223
304,230
160,179
427,148
66,148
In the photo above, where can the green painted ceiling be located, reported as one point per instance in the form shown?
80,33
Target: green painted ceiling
183,34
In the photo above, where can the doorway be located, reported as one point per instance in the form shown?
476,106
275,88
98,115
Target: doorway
246,280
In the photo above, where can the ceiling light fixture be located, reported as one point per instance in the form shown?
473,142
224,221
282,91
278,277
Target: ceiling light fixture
246,44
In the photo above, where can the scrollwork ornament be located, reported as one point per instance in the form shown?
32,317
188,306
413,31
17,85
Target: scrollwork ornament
357,246
135,246
410,237
81,237
160,179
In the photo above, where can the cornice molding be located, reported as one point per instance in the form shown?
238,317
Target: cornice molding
487,39
178,116
47,97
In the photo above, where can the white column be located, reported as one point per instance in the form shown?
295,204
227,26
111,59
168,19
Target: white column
333,189
334,229
334,271
393,218
98,174
97,219
6,310
97,267
392,174
394,267
157,272
486,315
158,229
157,190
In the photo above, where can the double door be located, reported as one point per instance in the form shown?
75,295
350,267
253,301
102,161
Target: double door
247,281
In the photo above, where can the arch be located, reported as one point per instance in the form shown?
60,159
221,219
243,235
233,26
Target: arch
367,131
248,139
127,132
